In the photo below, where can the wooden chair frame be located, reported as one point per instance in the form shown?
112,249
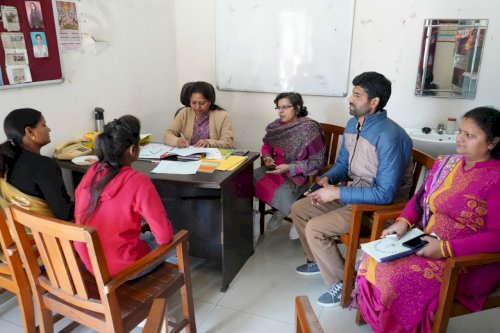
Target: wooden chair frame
13,277
306,320
332,134
102,302
353,239
448,307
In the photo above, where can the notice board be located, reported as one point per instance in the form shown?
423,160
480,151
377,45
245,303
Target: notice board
33,27
284,45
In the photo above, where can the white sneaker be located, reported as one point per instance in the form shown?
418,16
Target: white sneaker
293,234
275,221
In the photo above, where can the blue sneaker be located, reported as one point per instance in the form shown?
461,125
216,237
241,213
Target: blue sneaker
331,297
310,268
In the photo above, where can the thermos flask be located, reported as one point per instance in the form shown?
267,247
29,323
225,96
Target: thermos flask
99,119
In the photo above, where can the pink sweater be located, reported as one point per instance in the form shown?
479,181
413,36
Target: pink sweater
129,197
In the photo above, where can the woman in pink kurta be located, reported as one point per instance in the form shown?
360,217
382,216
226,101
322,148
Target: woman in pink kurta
293,149
459,202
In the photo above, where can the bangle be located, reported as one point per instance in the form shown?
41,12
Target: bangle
406,221
441,247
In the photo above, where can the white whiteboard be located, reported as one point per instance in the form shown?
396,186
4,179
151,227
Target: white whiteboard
284,45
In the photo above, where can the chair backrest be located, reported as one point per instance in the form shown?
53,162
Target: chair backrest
332,135
306,320
420,160
185,96
62,277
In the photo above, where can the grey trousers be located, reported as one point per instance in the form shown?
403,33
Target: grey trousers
318,226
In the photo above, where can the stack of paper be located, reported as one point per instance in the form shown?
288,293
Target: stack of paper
207,166
144,138
177,168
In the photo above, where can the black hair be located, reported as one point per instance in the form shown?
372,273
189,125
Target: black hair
110,148
488,120
14,127
296,99
204,88
375,85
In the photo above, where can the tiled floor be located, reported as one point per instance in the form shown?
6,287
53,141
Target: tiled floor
260,299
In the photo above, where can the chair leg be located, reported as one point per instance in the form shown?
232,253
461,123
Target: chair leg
26,308
187,289
359,318
156,320
262,211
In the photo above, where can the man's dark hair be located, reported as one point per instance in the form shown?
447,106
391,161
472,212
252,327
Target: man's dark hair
375,85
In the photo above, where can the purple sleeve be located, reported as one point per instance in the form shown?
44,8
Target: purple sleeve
487,240
410,213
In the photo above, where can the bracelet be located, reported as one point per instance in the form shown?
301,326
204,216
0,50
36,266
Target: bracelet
441,247
406,221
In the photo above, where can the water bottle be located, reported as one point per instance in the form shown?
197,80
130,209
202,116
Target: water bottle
99,119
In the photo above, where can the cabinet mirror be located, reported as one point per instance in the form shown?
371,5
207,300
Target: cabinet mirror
450,56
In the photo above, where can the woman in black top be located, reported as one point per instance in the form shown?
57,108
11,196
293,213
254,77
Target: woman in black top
24,168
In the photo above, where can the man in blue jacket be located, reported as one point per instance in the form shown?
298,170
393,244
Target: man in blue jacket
376,156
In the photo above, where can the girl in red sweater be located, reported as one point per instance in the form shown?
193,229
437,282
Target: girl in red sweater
114,198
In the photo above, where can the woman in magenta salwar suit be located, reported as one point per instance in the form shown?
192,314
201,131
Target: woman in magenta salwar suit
460,203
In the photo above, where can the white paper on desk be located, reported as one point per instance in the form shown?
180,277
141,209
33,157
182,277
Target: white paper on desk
154,150
177,168
213,154
188,150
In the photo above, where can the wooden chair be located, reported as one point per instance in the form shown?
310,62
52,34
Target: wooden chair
353,239
448,307
100,302
332,134
13,277
305,318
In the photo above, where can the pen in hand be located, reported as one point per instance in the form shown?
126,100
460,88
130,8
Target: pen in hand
186,142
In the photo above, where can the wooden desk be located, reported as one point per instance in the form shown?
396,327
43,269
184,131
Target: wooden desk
216,209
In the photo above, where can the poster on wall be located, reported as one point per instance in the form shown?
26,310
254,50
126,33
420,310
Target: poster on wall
34,13
69,30
10,18
16,57
39,42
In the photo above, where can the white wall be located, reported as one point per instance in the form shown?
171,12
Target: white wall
147,50
127,65
386,38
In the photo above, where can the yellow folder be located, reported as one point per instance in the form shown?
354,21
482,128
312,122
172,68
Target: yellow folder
231,163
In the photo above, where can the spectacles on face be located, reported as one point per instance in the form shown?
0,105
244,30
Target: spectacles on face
283,107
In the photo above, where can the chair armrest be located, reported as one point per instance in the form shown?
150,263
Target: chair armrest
473,260
306,319
379,219
150,259
397,205
449,284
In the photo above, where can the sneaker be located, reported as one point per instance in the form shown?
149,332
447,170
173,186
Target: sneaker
310,268
293,233
275,221
331,297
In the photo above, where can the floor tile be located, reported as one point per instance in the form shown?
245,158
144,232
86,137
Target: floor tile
224,320
268,289
338,319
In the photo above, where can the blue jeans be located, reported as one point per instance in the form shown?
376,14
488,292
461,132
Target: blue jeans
153,244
